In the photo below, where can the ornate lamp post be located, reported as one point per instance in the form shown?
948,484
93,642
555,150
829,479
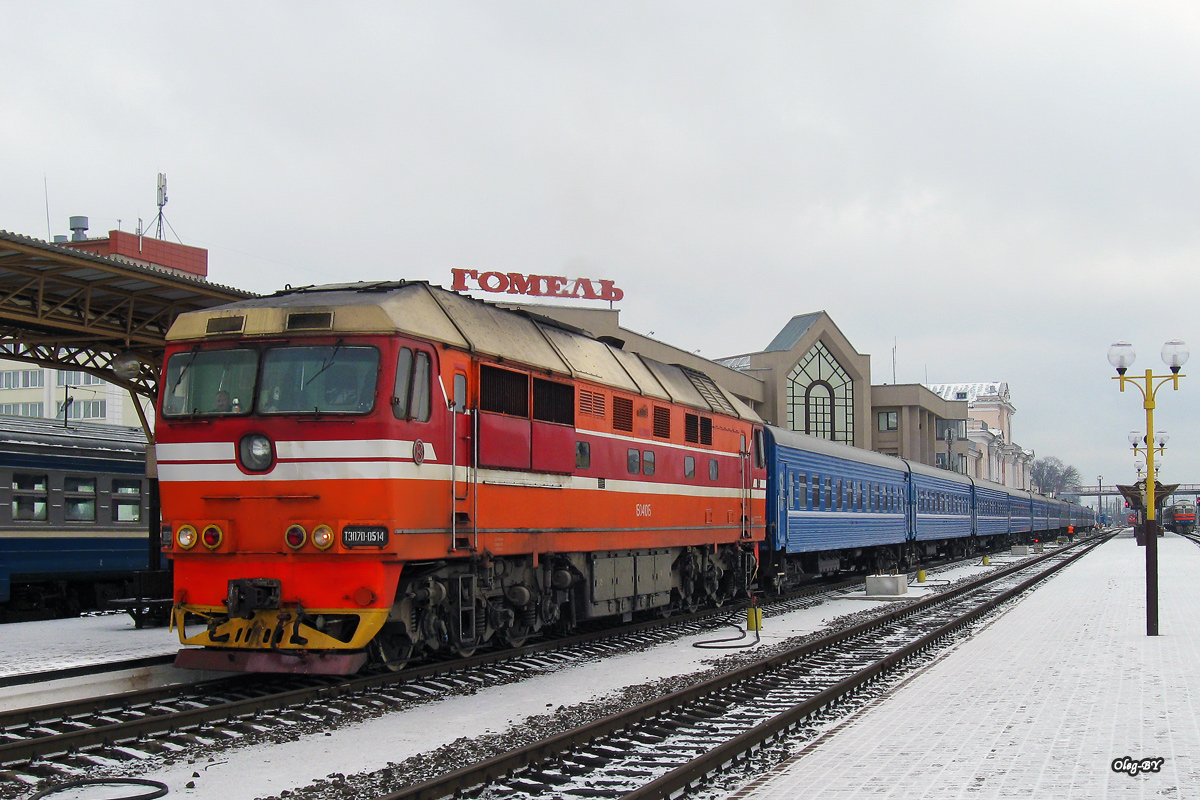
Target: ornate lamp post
1174,355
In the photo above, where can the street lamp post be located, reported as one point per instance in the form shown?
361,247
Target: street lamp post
1100,493
1174,355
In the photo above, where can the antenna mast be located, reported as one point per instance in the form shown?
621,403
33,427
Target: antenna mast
162,201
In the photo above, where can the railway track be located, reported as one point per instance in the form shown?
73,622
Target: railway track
63,740
59,739
664,746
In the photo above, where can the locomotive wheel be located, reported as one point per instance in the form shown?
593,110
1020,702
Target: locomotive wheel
391,650
516,635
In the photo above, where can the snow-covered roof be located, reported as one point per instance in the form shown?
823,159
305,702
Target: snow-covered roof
971,391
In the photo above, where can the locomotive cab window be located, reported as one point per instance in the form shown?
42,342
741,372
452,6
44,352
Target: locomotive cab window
411,394
583,454
648,462
204,383
330,379
689,466
635,461
714,470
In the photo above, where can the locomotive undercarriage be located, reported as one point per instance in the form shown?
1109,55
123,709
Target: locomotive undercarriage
458,606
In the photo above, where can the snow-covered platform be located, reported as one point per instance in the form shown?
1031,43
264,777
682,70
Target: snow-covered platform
47,648
1041,703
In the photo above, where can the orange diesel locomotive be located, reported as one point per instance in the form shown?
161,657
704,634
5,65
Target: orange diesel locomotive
366,472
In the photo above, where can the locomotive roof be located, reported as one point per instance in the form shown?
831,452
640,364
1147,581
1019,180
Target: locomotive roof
425,311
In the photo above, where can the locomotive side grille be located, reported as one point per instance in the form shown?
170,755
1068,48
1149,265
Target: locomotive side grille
553,402
662,422
622,414
592,404
503,391
697,429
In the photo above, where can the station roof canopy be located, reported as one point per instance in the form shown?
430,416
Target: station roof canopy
67,309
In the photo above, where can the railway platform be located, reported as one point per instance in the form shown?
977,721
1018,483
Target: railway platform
1063,696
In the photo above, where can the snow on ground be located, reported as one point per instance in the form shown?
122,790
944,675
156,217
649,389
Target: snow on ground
1040,703
257,771
63,643
262,770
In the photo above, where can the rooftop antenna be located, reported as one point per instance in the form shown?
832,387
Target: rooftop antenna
161,219
46,189
162,201
893,360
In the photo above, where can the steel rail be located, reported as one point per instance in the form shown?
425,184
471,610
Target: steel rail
158,720
728,752
146,701
470,777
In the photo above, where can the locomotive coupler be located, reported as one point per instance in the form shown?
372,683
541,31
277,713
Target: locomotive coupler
247,595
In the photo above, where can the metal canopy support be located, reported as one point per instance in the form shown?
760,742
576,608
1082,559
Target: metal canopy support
67,309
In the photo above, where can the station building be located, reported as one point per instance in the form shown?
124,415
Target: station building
992,454
810,378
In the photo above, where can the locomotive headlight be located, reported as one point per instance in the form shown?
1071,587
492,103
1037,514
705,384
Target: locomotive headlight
212,537
295,536
255,452
322,536
186,536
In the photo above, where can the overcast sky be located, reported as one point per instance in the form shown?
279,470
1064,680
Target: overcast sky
1001,190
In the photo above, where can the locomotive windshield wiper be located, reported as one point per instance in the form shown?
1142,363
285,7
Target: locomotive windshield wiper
324,365
185,368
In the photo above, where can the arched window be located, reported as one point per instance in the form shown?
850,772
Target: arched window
820,399
818,410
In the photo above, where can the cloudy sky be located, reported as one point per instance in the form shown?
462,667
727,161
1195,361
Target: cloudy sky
999,190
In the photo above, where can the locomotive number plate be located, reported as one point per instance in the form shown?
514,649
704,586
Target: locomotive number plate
364,536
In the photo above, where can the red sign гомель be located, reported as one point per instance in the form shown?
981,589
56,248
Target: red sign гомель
534,285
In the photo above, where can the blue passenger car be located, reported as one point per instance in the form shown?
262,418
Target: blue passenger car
992,509
941,503
831,507
833,497
74,524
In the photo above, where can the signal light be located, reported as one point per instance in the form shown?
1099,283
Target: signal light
322,536
212,537
186,537
295,536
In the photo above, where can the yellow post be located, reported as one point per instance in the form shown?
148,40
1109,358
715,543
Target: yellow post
987,561
754,618
1174,355
920,576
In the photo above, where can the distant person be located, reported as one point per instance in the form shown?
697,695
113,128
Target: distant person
224,404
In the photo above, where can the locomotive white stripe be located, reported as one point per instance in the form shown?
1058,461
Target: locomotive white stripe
196,451
352,448
305,450
299,472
